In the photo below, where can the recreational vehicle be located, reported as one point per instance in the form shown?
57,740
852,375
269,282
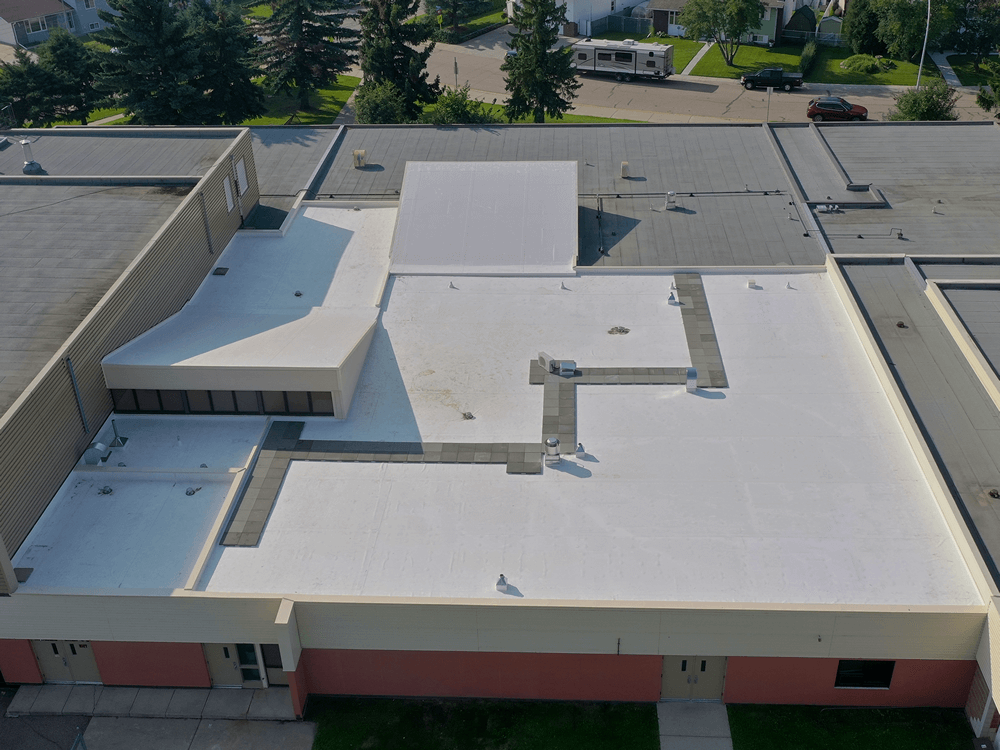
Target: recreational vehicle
624,60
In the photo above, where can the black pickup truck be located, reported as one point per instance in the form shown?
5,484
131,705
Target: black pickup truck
775,77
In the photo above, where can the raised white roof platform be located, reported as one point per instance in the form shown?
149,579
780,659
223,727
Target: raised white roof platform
247,330
503,218
794,485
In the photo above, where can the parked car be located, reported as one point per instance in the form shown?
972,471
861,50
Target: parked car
835,108
774,77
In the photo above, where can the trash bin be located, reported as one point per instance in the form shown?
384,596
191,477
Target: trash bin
981,743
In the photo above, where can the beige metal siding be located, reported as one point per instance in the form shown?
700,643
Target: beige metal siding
42,436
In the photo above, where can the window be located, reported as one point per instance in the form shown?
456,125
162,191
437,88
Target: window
70,23
672,17
604,56
271,654
298,402
199,402
623,57
684,665
222,401
864,674
36,24
124,399
767,13
148,400
322,402
246,402
88,4
581,56
274,402
172,401
228,185
650,63
95,26
241,176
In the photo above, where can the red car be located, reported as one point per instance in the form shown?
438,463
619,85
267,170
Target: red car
835,108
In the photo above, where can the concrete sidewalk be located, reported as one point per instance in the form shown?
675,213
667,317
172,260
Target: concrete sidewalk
112,733
153,703
947,72
693,726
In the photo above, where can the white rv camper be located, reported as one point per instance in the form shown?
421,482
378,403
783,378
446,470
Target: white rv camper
624,60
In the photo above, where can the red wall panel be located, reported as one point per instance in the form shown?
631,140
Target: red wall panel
298,688
483,675
915,682
18,662
151,664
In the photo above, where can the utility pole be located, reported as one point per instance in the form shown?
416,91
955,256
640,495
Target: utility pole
927,32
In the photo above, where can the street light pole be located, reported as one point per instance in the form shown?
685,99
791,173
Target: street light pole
927,32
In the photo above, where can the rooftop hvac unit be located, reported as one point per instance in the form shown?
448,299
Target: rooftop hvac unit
359,159
624,170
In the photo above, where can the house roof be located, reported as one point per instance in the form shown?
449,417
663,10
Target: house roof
19,10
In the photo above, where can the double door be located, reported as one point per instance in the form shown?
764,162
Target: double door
66,661
235,665
693,678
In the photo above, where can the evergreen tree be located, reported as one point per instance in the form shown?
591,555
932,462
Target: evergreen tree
227,64
860,28
32,91
75,68
305,45
155,65
457,11
540,80
390,51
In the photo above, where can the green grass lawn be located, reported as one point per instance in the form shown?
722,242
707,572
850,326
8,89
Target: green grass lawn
259,11
395,724
826,70
490,17
684,49
97,114
568,119
326,105
962,65
817,728
97,46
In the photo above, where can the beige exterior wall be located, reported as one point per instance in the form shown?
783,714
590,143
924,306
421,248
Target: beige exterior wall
551,627
42,434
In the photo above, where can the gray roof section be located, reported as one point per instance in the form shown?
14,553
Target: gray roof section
286,156
979,310
968,269
62,249
958,418
727,222
940,182
88,152
814,169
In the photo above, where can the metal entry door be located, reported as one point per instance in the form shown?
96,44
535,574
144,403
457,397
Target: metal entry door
66,661
699,678
234,665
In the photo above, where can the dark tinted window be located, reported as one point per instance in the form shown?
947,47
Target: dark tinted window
298,402
246,402
322,402
625,57
148,400
271,654
864,674
223,401
124,399
650,63
198,401
581,56
603,55
274,402
172,400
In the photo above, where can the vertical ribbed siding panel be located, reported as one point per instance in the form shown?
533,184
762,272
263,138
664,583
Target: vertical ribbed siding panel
42,436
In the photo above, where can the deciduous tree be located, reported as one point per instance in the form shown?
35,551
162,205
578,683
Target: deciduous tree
935,101
988,97
540,80
725,21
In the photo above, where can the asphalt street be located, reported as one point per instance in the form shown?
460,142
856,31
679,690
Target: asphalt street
678,99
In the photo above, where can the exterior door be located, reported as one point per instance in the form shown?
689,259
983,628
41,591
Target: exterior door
66,661
693,678
234,665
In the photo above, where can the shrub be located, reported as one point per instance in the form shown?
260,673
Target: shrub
455,107
935,101
808,60
867,64
380,104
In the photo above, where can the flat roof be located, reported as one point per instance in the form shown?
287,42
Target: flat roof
302,300
63,247
146,533
793,485
459,218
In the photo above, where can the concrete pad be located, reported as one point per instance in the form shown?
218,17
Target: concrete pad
253,735
696,743
682,719
82,699
272,703
51,699
126,733
21,704
227,704
115,701
151,703
187,703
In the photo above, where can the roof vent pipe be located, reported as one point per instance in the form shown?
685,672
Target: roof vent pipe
30,165
692,379
552,451
669,203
